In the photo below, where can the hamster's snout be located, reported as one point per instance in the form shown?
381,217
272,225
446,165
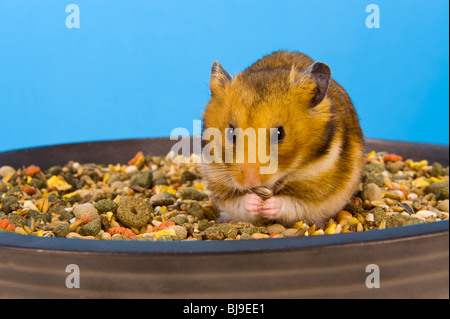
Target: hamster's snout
249,175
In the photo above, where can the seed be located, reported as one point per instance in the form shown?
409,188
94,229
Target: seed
359,227
73,235
382,224
75,224
106,236
109,215
311,230
8,177
275,235
262,191
426,214
390,202
301,232
45,206
407,207
343,214
360,218
28,230
298,225
331,229
370,217
259,236
343,222
20,230
397,195
329,223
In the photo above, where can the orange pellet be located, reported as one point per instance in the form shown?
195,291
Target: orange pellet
392,158
32,170
121,231
163,225
28,190
135,158
86,219
129,233
4,223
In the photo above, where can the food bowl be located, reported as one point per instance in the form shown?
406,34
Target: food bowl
407,262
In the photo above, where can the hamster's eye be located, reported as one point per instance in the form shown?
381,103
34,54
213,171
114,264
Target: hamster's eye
280,134
230,134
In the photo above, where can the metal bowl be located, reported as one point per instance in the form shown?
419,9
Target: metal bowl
411,261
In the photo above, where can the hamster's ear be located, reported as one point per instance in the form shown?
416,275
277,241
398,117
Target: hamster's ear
318,73
219,77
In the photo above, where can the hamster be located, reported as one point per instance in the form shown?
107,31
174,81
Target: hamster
320,145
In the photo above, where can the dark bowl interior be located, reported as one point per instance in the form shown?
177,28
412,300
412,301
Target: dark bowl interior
413,260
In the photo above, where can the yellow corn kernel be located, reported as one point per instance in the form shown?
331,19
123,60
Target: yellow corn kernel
298,225
165,232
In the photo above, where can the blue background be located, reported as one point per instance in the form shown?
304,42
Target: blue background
141,68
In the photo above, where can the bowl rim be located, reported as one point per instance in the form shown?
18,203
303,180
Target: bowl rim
213,246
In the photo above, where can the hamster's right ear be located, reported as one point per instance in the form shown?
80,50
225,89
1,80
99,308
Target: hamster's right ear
219,78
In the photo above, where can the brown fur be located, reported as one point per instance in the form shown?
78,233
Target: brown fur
270,93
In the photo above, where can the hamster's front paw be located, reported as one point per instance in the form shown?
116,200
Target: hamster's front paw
271,207
253,204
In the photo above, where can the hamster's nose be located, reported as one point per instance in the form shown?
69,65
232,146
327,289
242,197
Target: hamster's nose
250,174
